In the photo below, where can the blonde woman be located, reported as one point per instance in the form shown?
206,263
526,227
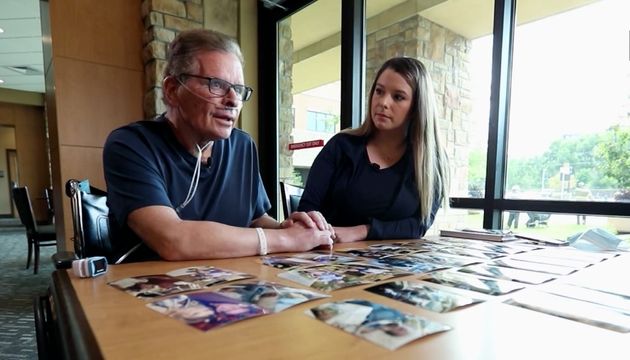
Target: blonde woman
387,178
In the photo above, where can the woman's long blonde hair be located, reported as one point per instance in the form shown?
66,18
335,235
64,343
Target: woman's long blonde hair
423,134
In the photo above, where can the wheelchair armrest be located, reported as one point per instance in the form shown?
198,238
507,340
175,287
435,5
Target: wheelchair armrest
63,259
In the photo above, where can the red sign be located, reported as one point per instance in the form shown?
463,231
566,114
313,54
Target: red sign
306,144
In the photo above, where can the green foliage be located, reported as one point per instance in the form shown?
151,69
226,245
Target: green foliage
614,155
600,160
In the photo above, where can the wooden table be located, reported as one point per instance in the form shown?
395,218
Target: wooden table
96,320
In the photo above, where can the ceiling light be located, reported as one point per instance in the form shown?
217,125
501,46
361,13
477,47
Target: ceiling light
1,81
1,30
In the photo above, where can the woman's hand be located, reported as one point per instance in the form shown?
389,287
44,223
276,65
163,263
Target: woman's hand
351,233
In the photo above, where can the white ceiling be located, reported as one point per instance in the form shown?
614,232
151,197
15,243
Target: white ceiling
21,59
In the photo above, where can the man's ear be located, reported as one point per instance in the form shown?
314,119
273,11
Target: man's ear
170,84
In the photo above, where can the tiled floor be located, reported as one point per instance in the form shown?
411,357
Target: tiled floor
18,286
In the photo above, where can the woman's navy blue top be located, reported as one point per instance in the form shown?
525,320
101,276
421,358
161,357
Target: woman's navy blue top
348,190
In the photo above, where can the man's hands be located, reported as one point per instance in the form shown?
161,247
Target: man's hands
309,220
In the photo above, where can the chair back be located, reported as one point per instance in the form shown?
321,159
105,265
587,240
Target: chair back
291,195
89,219
22,202
48,197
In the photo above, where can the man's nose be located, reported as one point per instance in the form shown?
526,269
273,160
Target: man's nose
231,99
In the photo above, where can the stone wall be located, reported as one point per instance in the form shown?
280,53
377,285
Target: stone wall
163,19
285,103
445,54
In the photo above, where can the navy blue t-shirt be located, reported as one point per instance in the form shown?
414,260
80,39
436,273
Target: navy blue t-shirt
145,165
349,191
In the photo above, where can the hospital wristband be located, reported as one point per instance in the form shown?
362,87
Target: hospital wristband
262,241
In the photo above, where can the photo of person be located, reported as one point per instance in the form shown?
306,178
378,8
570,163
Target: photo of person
519,275
272,297
478,284
336,276
303,259
573,309
445,260
379,324
149,286
423,296
206,276
206,310
406,264
534,266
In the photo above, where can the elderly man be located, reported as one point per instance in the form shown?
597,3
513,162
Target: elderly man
186,185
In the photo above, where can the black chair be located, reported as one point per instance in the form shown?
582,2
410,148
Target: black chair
291,195
50,207
37,235
46,334
90,224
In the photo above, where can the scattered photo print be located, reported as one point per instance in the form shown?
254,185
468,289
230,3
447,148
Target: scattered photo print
270,296
415,245
473,283
446,260
418,294
500,272
205,310
533,266
572,309
566,262
381,325
617,302
336,276
490,248
376,253
470,253
407,264
305,259
176,281
576,254
150,286
207,275
604,281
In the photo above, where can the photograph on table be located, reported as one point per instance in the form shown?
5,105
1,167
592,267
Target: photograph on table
376,253
505,273
415,245
407,264
336,276
458,251
446,260
379,324
150,286
206,310
533,266
176,281
572,309
492,248
617,302
305,259
272,297
566,262
473,283
208,275
420,295
568,252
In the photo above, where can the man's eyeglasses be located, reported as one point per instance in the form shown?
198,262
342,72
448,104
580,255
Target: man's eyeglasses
220,87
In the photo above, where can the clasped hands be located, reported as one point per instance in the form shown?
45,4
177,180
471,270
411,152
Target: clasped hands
311,219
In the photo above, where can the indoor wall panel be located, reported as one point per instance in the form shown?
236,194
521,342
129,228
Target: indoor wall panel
104,32
97,85
93,108
30,144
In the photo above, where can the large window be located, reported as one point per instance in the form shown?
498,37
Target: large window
534,103
321,122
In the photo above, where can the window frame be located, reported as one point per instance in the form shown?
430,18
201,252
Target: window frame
494,204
